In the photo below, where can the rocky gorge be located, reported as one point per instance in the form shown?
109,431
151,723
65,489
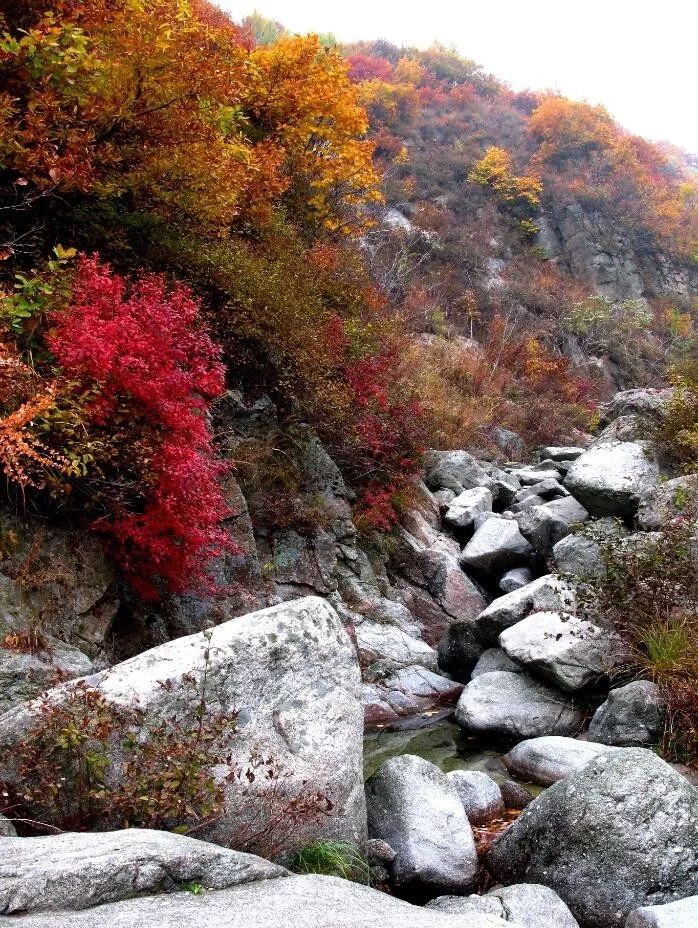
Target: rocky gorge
474,614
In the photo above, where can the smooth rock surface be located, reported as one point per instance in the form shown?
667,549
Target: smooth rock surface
77,871
546,760
680,914
393,693
25,675
466,506
294,902
542,595
381,641
480,795
495,659
620,834
633,715
515,578
568,651
416,809
514,705
533,905
611,478
291,674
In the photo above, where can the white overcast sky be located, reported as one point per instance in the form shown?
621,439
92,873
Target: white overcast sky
637,57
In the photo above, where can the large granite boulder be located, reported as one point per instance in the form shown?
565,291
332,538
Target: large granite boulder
513,705
382,641
496,546
456,471
546,760
466,506
23,674
392,693
667,501
542,595
293,902
542,528
7,829
644,402
494,659
619,834
416,809
568,651
288,679
529,905
633,715
77,871
680,914
611,478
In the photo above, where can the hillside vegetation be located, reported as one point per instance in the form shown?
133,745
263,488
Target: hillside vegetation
190,205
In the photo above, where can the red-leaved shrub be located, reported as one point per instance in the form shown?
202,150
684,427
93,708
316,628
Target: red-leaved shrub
140,351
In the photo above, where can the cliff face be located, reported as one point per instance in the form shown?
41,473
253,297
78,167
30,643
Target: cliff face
587,245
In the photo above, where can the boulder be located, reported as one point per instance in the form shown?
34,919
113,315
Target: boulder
633,715
515,578
293,902
495,659
645,402
542,528
547,489
535,473
393,693
415,808
515,706
468,504
529,905
456,471
544,594
460,649
7,829
23,675
515,795
561,453
77,871
568,510
289,680
611,478
511,443
680,914
619,834
666,501
504,486
578,556
568,651
496,546
381,641
480,795
546,760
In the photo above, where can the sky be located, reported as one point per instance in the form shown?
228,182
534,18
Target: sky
636,57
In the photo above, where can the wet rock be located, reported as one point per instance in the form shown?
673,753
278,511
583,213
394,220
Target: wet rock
480,795
397,693
568,651
611,478
496,546
495,659
546,760
633,715
515,795
414,807
619,834
78,871
514,705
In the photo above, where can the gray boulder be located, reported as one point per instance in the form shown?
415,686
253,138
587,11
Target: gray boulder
456,471
645,402
561,453
568,651
542,528
544,594
547,489
480,795
467,505
7,829
460,649
529,905
294,902
515,578
666,501
680,914
496,546
568,509
24,675
289,680
546,760
393,693
621,833
381,641
633,715
495,659
580,554
612,478
514,705
535,473
415,808
78,871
